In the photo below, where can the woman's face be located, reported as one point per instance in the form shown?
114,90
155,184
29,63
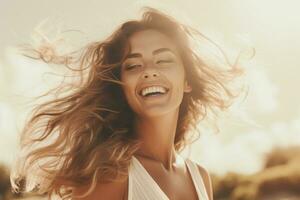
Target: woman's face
153,74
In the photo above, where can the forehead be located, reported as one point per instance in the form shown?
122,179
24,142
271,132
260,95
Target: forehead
149,40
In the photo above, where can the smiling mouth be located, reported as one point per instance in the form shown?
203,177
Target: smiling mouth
153,91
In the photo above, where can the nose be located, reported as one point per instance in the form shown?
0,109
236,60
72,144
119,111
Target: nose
150,74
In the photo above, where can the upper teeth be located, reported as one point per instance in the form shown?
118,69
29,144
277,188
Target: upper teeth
152,89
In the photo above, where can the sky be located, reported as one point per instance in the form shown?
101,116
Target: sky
268,117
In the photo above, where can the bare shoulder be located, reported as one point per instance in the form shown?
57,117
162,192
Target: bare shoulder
207,181
103,191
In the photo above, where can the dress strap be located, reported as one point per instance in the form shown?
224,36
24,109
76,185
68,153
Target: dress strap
141,185
129,197
197,179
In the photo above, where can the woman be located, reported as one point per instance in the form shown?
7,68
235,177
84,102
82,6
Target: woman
117,134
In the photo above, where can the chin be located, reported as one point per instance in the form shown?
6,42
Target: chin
156,112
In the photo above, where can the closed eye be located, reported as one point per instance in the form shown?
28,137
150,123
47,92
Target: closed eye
129,67
164,61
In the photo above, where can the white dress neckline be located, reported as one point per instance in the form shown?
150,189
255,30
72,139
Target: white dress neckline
193,171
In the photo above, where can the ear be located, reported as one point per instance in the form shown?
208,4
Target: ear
187,87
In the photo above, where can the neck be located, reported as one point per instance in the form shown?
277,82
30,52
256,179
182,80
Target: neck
157,136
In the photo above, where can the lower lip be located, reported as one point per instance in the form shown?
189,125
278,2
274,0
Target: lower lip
156,96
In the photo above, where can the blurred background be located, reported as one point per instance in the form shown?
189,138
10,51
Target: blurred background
254,155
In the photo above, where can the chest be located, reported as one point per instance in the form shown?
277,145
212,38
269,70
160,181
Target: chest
177,185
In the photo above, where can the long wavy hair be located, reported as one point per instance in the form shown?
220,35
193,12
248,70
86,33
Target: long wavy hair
85,136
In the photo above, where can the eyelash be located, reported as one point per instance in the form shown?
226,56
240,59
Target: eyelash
165,61
129,67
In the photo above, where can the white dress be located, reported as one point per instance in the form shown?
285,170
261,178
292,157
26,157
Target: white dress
142,186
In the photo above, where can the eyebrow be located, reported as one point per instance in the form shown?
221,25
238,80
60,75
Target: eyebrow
157,51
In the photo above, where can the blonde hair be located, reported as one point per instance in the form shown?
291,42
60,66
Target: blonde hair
89,131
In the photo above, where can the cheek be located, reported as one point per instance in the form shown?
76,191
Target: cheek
178,85
129,86
176,76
